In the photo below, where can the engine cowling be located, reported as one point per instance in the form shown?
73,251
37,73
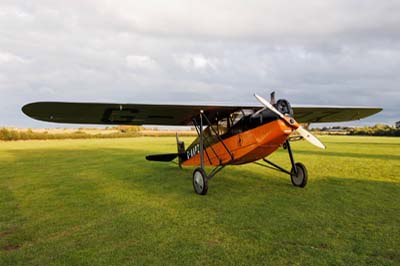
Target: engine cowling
284,107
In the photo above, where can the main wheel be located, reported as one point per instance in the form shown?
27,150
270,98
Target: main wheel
200,181
299,180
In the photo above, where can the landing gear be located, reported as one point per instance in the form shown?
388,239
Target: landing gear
200,181
200,177
299,175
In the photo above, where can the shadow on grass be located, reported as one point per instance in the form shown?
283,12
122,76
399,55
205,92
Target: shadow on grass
328,153
9,219
368,142
130,166
247,211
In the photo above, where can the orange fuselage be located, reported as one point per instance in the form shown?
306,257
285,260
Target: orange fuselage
248,146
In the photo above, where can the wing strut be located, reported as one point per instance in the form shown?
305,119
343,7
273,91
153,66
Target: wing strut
200,176
219,138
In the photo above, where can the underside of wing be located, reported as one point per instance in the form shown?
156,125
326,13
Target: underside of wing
174,115
323,114
122,114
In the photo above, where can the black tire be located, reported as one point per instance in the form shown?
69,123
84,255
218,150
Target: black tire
200,181
299,180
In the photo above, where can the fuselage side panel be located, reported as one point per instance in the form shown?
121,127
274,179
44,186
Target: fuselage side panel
248,146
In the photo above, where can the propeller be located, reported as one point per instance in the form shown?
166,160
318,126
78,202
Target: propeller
291,122
265,108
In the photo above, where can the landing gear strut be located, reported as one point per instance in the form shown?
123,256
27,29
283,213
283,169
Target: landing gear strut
298,173
200,177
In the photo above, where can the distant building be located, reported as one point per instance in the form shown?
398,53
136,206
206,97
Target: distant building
398,124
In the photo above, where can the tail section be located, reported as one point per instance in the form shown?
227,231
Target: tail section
181,149
162,157
181,154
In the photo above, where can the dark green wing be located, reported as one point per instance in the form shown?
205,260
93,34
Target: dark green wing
322,114
176,115
122,114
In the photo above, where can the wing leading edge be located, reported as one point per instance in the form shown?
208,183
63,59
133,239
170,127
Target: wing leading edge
122,114
174,115
325,114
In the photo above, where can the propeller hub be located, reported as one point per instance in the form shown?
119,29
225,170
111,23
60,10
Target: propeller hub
285,112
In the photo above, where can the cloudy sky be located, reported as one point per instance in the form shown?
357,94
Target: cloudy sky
339,52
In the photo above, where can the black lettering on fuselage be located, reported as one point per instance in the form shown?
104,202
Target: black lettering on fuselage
193,151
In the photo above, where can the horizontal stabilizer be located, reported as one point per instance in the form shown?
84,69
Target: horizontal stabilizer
162,157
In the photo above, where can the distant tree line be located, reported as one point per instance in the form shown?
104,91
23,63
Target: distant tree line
8,134
13,134
377,130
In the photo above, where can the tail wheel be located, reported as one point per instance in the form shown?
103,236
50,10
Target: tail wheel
299,179
200,181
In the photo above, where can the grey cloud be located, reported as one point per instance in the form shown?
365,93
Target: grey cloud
321,52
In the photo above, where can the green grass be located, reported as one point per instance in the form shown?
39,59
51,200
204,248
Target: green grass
99,202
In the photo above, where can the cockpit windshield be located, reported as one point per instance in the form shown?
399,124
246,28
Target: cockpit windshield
224,124
235,117
232,124
238,115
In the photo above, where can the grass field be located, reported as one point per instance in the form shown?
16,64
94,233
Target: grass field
98,202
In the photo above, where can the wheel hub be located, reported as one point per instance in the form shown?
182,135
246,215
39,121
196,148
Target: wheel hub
297,179
198,181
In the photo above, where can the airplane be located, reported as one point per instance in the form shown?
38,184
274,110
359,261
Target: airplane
227,135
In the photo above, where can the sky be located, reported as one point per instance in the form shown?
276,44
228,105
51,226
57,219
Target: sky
331,52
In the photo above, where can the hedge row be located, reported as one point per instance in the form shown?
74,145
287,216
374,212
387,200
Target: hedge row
377,130
11,134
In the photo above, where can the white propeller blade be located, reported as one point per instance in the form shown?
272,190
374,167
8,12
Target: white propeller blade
310,137
301,130
268,105
259,112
